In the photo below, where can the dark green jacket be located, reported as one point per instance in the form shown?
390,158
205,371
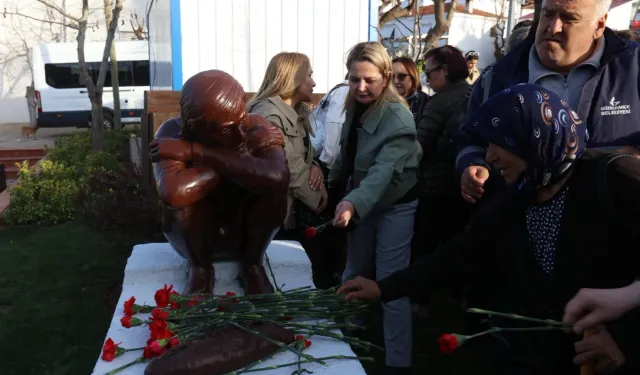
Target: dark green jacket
442,116
386,162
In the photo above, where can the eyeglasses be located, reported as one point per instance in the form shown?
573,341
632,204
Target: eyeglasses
429,71
400,76
473,55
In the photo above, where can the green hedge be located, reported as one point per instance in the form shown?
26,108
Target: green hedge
48,196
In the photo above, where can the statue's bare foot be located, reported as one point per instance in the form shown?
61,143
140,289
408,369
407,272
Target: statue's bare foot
257,281
200,280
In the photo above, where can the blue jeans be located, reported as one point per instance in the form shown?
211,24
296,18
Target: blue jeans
379,246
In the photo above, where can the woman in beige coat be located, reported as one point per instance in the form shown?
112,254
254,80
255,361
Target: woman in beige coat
283,99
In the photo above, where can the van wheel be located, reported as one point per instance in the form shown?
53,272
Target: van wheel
107,120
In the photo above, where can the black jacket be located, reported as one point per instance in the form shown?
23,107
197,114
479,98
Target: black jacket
597,248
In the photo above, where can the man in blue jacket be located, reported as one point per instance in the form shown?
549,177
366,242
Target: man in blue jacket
577,57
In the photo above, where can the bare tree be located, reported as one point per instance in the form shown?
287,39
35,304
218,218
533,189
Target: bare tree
94,90
442,22
393,9
138,27
115,82
498,30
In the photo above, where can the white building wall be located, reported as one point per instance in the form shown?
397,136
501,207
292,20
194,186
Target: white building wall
620,17
159,24
18,34
241,36
468,32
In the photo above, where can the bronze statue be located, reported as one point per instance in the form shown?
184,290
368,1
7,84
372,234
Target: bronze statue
222,177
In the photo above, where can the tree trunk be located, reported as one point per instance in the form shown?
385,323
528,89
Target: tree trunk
416,30
115,81
95,96
442,24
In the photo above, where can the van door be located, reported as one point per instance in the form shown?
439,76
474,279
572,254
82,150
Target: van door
65,100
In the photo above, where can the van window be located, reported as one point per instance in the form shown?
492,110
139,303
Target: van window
141,73
64,76
68,76
125,75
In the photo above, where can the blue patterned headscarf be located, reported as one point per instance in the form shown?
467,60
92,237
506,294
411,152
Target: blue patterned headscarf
536,125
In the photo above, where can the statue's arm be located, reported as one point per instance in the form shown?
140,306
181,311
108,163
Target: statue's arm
179,186
263,170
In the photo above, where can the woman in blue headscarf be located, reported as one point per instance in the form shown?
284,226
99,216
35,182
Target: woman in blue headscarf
570,222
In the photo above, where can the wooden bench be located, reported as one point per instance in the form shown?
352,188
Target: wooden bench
159,106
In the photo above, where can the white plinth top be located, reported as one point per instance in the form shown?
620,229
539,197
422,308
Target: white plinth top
150,266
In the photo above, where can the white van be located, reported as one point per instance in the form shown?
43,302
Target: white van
60,90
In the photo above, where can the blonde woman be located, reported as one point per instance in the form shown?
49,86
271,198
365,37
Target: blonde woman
283,99
380,157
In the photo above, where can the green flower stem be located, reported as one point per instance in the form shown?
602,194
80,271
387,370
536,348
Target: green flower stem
273,277
117,370
132,349
281,345
274,367
519,317
501,329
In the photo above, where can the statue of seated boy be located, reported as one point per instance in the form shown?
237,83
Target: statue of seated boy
222,177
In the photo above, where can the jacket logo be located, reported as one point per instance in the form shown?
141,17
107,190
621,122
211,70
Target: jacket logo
614,108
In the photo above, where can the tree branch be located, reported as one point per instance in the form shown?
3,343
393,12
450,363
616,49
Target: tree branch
58,9
396,11
71,26
107,46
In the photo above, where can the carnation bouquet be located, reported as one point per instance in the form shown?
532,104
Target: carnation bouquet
178,320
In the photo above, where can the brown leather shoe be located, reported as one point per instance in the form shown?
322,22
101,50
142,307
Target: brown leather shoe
256,280
200,280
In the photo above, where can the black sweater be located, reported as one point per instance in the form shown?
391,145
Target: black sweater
597,248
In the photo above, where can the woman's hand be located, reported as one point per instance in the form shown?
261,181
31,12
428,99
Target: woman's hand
316,177
344,213
591,307
323,200
360,288
170,148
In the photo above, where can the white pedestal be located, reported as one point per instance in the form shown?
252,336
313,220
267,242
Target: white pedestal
150,266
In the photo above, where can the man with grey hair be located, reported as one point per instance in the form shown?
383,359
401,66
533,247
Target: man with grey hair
597,73
581,60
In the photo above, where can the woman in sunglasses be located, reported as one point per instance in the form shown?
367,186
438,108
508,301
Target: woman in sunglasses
441,213
406,80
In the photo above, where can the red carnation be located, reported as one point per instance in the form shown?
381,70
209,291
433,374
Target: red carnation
110,350
163,296
174,342
148,352
307,343
158,346
195,300
299,337
131,321
449,342
310,232
174,297
159,314
128,306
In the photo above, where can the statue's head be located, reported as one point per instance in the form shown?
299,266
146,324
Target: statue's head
212,107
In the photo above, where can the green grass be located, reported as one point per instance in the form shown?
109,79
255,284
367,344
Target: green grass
58,287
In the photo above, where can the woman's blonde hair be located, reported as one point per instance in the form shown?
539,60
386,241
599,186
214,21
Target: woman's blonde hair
285,73
376,54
